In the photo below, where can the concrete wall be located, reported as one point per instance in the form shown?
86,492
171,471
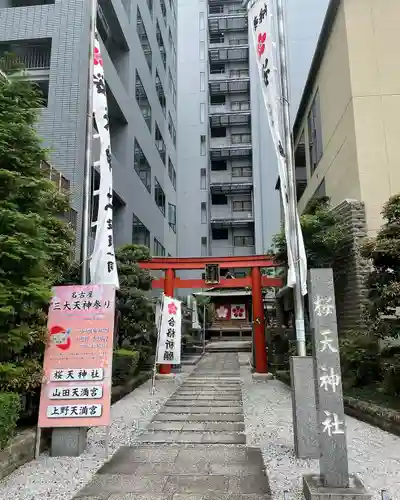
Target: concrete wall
191,126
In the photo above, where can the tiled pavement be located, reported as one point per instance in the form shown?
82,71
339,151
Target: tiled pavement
194,448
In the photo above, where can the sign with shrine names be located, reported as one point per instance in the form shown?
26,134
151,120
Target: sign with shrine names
77,369
169,341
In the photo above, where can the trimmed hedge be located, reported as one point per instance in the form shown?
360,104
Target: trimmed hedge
9,412
125,364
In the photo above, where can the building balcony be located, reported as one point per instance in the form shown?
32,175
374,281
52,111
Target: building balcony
233,74
236,106
242,118
229,54
234,185
34,56
229,86
230,152
232,219
222,23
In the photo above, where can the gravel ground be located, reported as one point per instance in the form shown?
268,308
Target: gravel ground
374,455
62,478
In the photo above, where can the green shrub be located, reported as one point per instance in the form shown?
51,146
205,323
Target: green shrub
391,368
125,364
9,412
360,359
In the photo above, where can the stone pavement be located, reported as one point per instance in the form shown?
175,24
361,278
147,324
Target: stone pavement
194,449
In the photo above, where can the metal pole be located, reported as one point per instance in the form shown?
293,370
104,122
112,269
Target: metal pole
87,176
204,328
292,205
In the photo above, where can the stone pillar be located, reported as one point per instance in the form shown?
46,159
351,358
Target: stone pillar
169,292
334,479
260,353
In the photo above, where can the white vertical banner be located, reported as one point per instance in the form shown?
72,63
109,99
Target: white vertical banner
170,333
261,25
103,268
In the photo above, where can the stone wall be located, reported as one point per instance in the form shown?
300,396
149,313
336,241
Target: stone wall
351,270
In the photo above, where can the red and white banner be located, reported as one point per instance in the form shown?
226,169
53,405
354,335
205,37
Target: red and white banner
103,267
261,25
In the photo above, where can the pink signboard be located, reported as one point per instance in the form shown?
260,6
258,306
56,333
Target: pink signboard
76,388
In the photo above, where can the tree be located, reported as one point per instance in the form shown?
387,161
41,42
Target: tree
135,307
325,236
35,244
384,280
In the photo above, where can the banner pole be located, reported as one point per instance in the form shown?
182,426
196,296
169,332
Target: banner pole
153,381
292,202
87,173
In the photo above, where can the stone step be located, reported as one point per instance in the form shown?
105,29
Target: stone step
197,397
211,404
192,437
199,417
197,426
202,409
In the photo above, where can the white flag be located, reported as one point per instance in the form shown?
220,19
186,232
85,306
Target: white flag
169,341
260,21
103,267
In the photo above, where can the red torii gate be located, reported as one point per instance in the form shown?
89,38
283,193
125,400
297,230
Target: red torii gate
255,262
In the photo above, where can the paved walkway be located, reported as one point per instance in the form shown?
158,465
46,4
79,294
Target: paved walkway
194,449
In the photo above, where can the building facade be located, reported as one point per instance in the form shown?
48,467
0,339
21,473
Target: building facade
138,43
346,131
226,188
215,188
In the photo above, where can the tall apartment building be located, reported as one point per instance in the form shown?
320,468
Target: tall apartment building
138,43
226,189
216,180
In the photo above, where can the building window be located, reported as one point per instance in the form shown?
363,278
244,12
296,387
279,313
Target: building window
315,133
172,216
142,100
171,173
218,131
242,206
202,24
242,172
159,196
142,166
241,138
202,50
140,233
243,241
217,38
219,199
160,144
202,112
170,40
171,129
150,5
202,81
144,41
163,10
219,234
203,145
158,250
217,99
204,247
218,165
161,45
217,68
203,178
160,92
203,208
